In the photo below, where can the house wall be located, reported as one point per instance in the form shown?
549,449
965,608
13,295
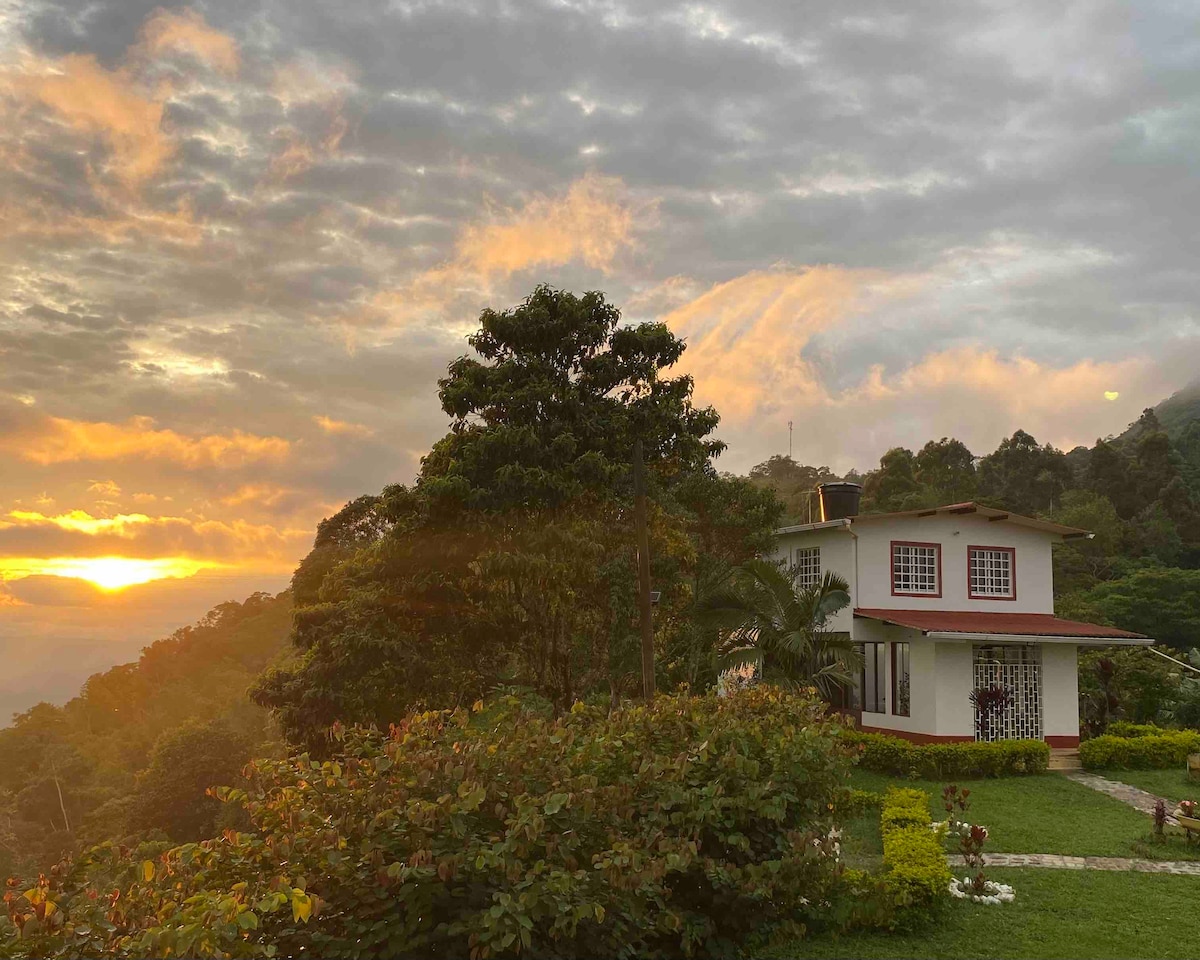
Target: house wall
837,555
1034,577
955,672
1060,694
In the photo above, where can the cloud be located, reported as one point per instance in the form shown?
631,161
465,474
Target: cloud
186,31
342,428
746,336
56,440
106,104
105,488
591,223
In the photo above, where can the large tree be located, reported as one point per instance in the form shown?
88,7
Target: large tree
511,559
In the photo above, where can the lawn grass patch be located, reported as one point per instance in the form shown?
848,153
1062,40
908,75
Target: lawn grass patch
1171,783
1057,914
1043,813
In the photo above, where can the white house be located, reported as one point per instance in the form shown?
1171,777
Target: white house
944,601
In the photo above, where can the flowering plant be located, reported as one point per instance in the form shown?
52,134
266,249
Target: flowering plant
1186,808
971,839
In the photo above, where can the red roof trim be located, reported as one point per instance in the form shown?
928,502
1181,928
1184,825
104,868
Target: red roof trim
966,621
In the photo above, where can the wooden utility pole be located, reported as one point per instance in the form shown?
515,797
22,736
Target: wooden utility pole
643,550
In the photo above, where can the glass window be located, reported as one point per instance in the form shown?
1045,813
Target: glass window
900,695
808,566
991,572
916,568
874,677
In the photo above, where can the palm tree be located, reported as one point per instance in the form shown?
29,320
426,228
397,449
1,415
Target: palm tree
765,618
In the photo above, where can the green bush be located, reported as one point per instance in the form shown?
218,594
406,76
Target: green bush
1168,748
913,855
689,826
1123,728
938,761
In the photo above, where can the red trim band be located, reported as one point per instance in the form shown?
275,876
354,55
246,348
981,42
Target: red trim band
1056,741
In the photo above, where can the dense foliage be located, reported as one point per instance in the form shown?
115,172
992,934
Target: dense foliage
934,761
1169,748
684,827
512,558
913,854
68,775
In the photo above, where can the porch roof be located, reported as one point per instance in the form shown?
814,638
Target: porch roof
970,625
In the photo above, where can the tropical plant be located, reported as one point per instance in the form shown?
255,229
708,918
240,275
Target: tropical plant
990,704
766,618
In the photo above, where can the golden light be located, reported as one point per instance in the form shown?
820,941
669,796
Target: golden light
107,573
1111,394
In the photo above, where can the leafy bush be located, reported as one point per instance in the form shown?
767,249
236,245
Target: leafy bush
1123,728
938,761
913,854
688,826
1167,748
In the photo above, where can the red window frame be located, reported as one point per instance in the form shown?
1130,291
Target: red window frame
1012,572
892,568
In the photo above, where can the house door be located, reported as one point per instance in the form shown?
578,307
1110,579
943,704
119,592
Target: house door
1017,668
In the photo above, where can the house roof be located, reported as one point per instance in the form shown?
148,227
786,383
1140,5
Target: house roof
950,509
963,624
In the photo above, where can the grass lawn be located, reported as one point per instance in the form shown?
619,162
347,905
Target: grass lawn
1057,913
1044,813
1172,785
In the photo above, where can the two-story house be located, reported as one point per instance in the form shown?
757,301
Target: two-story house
945,601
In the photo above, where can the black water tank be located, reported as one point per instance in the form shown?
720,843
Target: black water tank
839,499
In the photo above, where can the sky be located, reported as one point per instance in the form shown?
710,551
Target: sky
239,242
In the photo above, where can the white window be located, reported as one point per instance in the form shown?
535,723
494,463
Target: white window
807,562
916,569
991,571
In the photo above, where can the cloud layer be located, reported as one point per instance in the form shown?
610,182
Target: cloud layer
241,243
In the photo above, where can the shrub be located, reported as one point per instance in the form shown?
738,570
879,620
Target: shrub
687,826
1168,748
940,761
1123,728
913,854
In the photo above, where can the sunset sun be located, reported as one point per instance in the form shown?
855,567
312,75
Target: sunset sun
111,573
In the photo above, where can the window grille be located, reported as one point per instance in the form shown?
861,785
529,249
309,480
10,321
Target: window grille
992,572
915,569
808,566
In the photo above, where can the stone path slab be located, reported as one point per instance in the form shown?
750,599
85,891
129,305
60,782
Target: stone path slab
1183,868
1138,799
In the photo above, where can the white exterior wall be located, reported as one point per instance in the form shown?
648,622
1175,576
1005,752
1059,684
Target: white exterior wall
1060,690
1034,575
922,700
955,672
837,556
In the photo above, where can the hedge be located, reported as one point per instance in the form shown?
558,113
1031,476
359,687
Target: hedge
936,761
1168,748
1124,728
691,825
913,854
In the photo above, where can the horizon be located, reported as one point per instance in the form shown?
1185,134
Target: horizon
242,245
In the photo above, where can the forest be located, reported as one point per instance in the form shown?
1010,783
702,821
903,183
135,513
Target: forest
507,569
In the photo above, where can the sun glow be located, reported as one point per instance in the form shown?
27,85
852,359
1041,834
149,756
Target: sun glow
107,573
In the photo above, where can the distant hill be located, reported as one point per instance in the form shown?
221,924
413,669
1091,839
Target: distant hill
68,774
1180,410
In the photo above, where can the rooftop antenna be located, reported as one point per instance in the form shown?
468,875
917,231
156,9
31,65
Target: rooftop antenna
789,439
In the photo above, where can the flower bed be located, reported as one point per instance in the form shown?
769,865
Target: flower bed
940,761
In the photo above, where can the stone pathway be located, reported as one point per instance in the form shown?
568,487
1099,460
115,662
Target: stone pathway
1178,867
1138,799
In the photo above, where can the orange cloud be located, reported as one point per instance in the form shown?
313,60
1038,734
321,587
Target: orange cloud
80,521
309,85
746,336
342,428
260,494
59,440
591,223
107,104
186,31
